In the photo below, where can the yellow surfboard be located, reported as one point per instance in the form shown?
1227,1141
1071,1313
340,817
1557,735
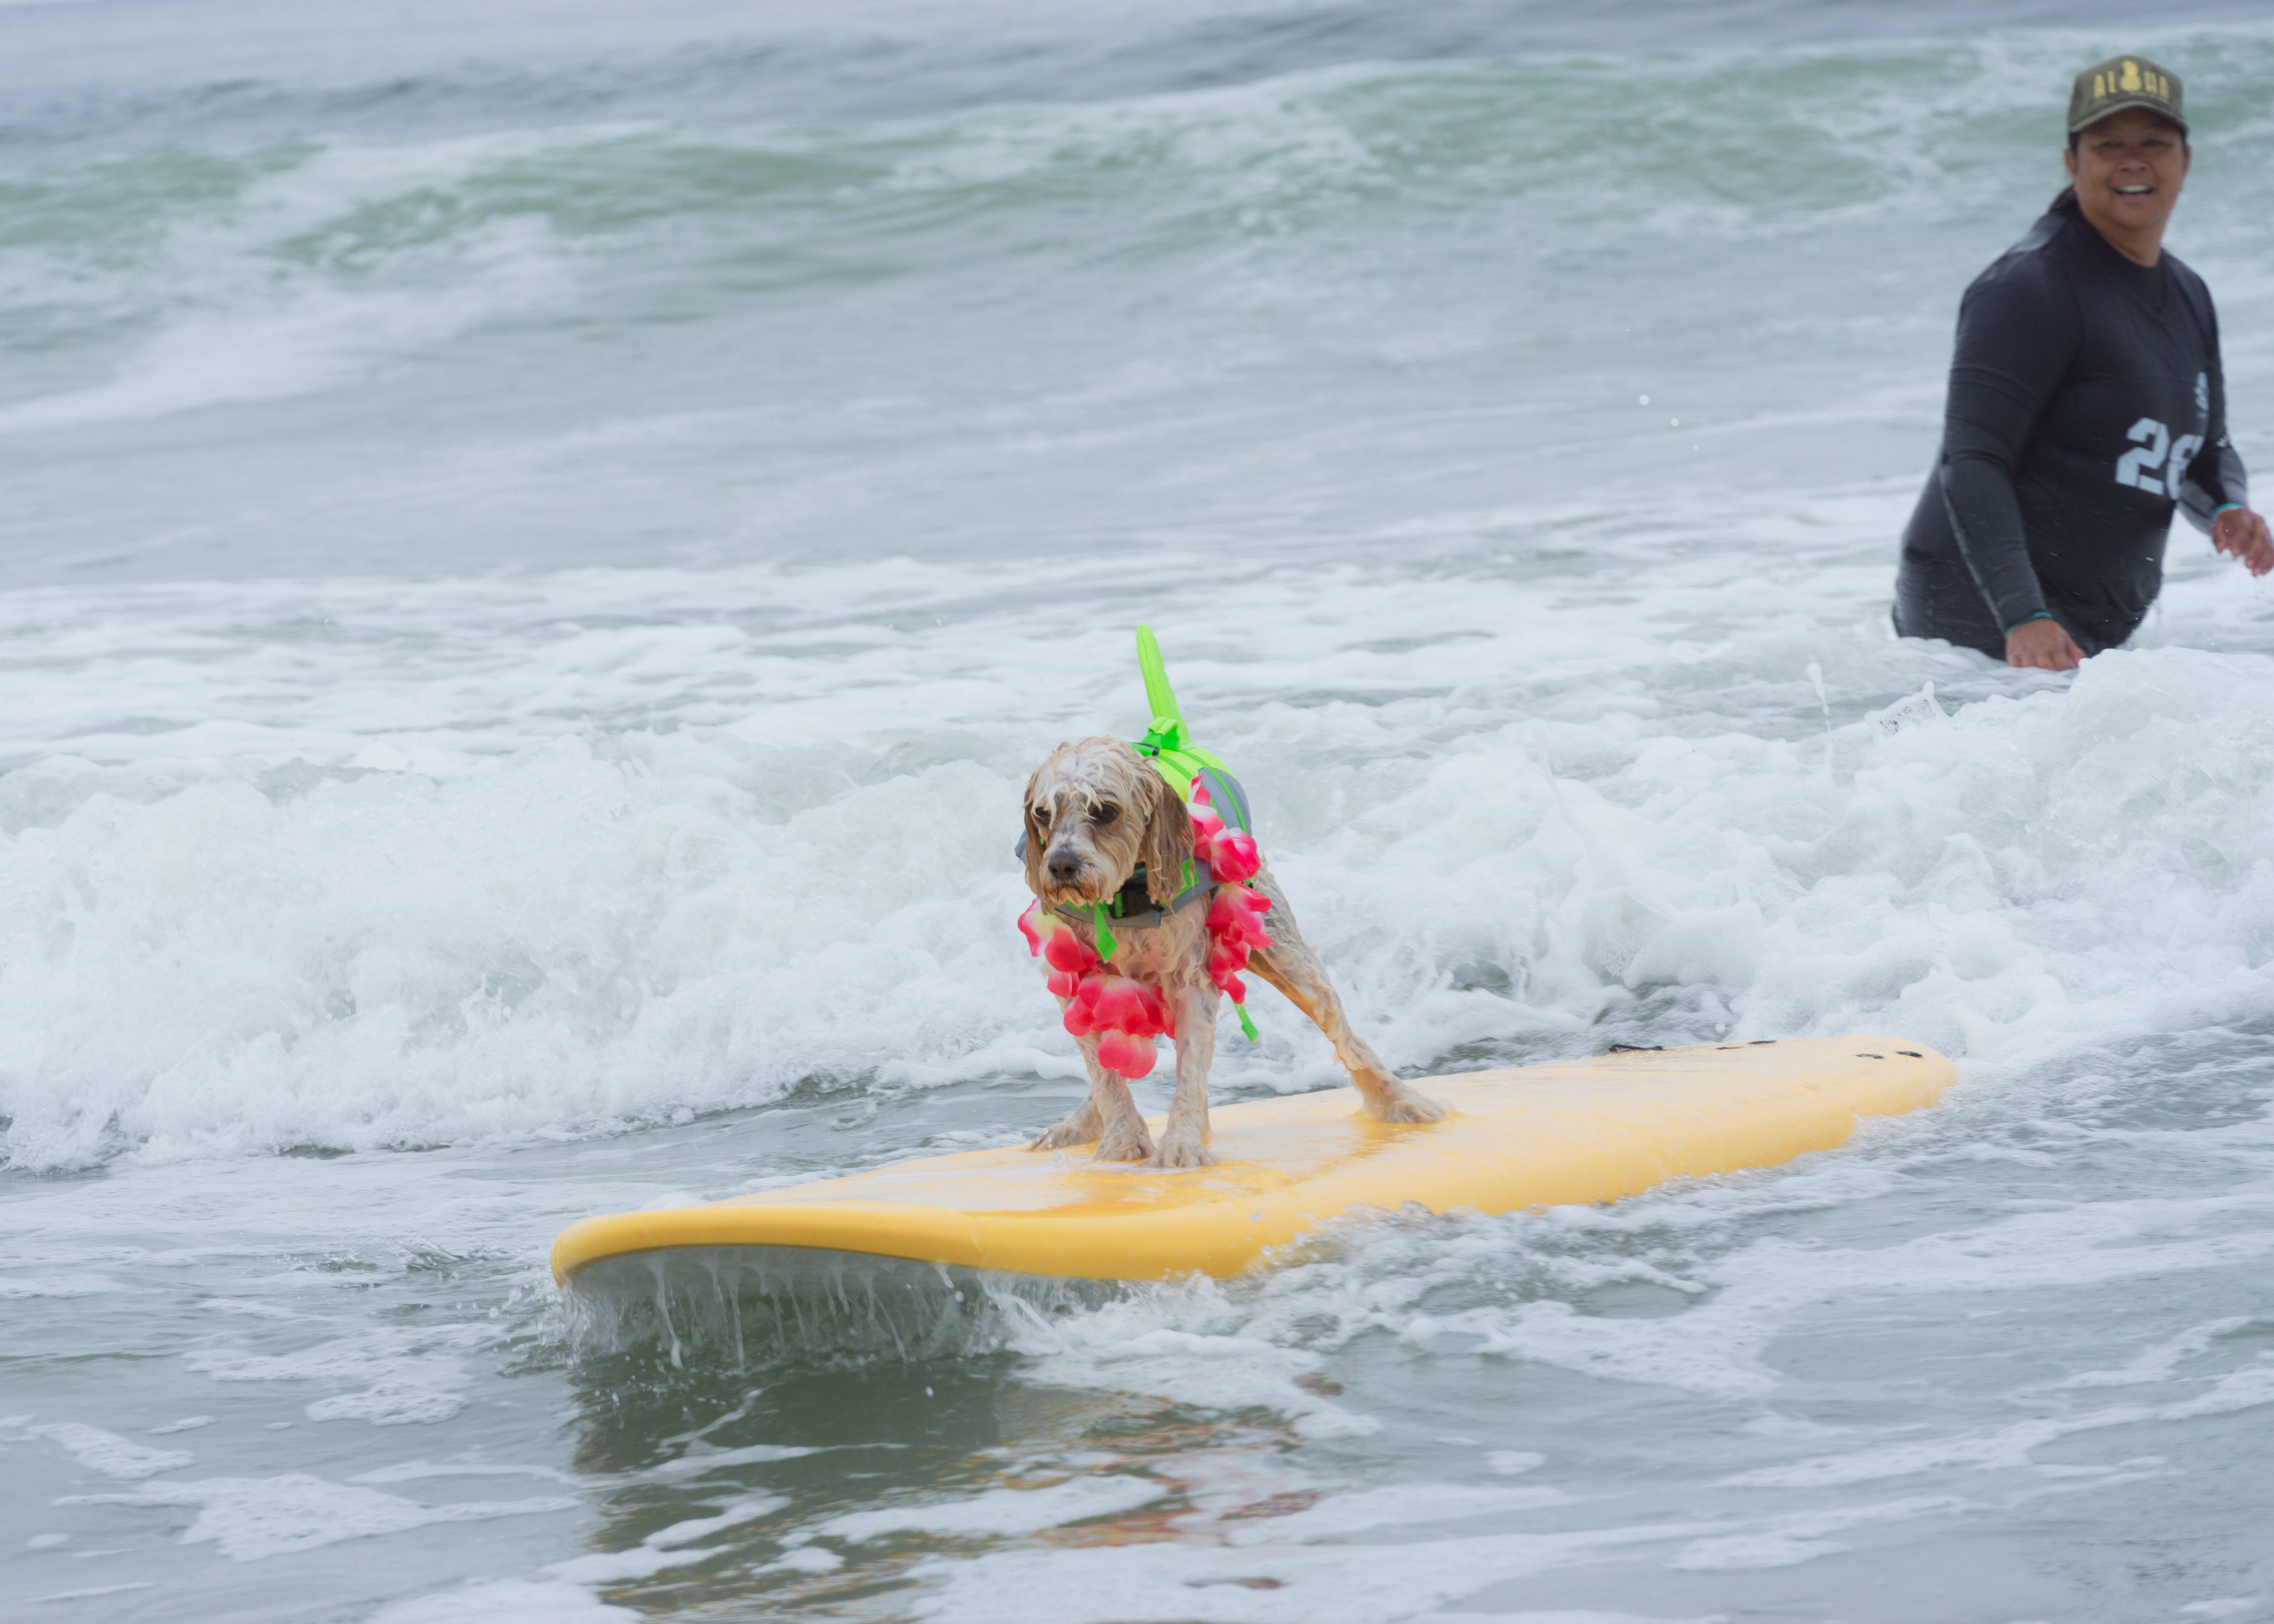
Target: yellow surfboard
1575,1130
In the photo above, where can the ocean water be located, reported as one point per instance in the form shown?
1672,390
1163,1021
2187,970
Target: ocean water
537,549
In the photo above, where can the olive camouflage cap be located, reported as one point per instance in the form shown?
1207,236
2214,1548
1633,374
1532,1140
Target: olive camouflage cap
2121,82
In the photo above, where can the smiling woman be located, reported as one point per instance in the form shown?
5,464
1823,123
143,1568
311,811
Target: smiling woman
2085,353
2126,171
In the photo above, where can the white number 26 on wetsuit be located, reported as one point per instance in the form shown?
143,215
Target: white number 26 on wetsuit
2152,445
2154,448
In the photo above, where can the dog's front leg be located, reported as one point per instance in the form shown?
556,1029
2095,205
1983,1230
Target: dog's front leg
1184,1136
1108,1115
1290,966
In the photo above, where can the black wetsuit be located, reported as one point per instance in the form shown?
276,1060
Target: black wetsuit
2086,402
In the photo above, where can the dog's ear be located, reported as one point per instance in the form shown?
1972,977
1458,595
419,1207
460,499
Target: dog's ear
1168,843
1038,838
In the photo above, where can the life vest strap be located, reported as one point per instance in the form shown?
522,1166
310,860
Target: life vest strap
1118,913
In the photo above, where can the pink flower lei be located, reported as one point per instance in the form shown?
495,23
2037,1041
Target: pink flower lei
1125,1014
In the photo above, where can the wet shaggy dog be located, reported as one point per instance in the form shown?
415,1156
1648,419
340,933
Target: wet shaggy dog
1096,810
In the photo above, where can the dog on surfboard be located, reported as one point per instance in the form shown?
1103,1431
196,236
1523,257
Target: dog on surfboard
1150,900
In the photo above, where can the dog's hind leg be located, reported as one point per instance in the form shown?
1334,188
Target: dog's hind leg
1184,1136
1108,1115
1290,966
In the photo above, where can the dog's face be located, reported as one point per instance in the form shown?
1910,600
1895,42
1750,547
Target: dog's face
1094,810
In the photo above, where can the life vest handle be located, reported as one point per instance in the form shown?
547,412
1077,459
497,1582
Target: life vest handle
1168,741
1160,698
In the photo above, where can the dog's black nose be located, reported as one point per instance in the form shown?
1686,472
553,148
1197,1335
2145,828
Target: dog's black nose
1064,866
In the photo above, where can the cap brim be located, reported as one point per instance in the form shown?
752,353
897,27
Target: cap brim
2114,108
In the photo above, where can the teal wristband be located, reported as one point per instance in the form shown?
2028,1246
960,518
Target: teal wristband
2042,614
2224,508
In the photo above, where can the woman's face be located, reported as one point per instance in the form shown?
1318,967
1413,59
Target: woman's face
2129,170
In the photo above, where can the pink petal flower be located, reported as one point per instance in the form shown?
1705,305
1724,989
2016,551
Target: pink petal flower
1132,1057
1234,857
1069,952
1207,829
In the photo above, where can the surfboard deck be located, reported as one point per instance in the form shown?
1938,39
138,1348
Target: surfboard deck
1575,1130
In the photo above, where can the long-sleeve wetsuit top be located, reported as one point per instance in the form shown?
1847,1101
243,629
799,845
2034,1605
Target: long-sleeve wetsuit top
2086,402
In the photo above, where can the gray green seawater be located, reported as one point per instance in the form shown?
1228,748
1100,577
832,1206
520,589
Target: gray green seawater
538,545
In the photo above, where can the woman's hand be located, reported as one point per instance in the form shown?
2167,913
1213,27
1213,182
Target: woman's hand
2243,533
2043,644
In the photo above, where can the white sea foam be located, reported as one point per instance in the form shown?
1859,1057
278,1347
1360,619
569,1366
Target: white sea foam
507,1601
674,1546
1716,1345
1003,1511
110,1454
702,1460
618,1566
1287,1585
412,1471
254,1518
733,1517
1194,1343
2010,1446
1786,1541
1248,1566
410,1379
67,1285
2159,1363
1399,1506
454,941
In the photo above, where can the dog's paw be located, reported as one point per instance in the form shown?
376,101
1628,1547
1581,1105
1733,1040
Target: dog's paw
1130,1144
1181,1153
1078,1128
1404,1105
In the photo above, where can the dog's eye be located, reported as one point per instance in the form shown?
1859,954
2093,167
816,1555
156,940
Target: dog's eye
1041,815
1105,815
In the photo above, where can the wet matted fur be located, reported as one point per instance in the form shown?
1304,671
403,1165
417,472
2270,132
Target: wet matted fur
1094,810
